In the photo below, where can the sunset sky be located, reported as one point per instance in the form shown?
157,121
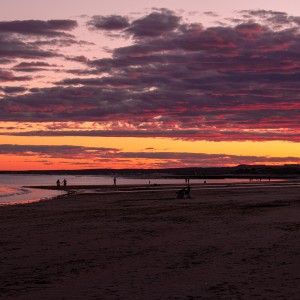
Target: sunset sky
140,84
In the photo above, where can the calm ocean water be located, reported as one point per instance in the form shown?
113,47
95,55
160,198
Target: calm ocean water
12,188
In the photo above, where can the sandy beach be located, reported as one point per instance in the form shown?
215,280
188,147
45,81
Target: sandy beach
226,242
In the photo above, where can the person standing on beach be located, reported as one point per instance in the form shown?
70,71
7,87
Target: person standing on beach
115,181
58,183
188,191
65,182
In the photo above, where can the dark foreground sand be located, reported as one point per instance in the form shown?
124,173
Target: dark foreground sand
224,243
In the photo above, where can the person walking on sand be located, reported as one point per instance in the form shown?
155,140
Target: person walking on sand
57,183
65,182
115,181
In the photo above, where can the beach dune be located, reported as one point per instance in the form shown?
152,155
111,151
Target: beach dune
231,242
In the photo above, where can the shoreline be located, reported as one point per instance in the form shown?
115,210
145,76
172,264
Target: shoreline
223,243
141,187
108,189
74,189
145,187
35,187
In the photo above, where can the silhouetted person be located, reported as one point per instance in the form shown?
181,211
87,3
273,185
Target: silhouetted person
188,191
57,182
115,181
65,182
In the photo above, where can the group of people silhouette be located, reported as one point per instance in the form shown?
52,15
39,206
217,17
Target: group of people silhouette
64,182
184,193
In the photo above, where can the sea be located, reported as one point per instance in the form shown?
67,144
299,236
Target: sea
14,190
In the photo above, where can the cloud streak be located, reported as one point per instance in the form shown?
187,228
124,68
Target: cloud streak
191,135
38,28
113,156
61,151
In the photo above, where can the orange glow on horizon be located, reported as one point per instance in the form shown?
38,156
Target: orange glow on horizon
21,163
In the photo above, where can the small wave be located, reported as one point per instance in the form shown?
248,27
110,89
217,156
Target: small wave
10,192
19,195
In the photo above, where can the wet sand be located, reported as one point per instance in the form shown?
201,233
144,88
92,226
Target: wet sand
226,242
